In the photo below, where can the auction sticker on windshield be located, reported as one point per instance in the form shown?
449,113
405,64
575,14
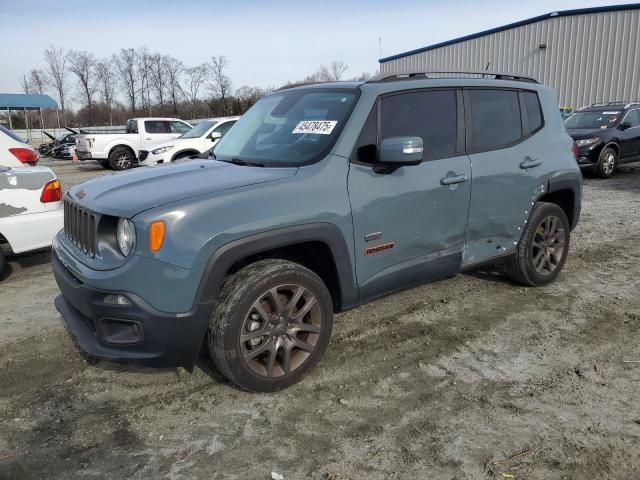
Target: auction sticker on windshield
320,127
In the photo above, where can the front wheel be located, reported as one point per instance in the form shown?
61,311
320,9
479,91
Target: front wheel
542,250
271,325
607,163
121,159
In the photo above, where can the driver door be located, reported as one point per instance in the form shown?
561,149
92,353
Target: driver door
409,223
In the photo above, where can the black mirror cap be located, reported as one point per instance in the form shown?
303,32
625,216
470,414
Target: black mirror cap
624,126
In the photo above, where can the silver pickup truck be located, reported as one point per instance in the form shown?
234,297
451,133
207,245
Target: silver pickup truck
119,151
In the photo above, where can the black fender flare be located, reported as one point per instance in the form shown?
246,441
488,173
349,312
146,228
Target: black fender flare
226,256
188,150
574,184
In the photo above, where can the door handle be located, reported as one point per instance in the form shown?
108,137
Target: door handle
530,163
453,180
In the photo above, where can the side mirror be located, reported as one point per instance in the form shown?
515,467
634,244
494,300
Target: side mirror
399,151
216,136
624,126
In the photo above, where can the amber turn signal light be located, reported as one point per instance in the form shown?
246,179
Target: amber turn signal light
156,236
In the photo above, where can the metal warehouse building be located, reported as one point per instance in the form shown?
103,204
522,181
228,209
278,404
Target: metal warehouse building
587,55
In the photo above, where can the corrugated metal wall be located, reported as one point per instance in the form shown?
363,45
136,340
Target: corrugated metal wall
589,58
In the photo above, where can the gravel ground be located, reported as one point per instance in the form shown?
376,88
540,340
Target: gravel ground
472,377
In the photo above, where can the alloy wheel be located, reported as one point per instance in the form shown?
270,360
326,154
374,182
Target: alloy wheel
122,161
281,330
608,163
548,245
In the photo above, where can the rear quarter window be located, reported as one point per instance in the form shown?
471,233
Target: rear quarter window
533,112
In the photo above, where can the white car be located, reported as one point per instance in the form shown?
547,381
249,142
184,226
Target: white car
204,135
31,210
14,151
118,150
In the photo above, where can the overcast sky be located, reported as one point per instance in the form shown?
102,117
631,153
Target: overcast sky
266,42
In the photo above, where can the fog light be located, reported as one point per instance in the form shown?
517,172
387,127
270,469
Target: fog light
116,300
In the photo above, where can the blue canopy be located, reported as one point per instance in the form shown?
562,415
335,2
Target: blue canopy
20,101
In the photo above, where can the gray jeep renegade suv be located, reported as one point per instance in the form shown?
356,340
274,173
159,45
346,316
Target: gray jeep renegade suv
319,199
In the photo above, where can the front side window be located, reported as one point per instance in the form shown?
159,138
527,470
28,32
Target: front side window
289,128
592,120
495,119
224,127
199,130
156,126
430,115
179,127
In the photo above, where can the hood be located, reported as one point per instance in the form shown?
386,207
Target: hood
166,143
580,133
125,194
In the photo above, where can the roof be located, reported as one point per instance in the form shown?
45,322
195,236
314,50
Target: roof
309,85
563,13
19,101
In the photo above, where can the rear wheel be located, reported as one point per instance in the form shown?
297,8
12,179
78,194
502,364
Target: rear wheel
543,248
270,326
607,162
121,159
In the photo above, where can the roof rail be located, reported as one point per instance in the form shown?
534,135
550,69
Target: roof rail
412,74
632,102
624,103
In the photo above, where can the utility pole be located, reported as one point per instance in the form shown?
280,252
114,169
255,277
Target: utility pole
380,47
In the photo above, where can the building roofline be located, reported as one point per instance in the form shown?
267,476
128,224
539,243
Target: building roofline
546,16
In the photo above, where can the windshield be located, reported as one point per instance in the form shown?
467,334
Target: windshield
289,128
12,134
198,131
592,120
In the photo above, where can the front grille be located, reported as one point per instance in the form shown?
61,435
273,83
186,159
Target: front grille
80,227
142,155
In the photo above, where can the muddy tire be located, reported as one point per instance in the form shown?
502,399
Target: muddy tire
543,248
607,163
3,262
270,326
121,159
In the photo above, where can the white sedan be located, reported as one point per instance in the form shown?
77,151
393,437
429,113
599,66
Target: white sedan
31,212
198,140
14,151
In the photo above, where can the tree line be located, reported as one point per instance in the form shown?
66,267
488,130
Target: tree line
139,82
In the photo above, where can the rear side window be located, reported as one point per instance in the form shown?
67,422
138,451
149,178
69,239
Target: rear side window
533,111
495,119
633,118
430,115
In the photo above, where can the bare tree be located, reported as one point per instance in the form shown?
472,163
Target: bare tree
106,86
25,84
144,71
195,78
125,64
157,75
337,69
83,65
174,69
38,81
248,96
220,83
57,70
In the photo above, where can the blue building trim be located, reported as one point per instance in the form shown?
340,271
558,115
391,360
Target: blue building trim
564,13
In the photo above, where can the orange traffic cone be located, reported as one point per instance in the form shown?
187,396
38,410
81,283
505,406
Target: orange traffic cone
74,156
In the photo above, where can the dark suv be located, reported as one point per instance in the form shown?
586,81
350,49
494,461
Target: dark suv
607,135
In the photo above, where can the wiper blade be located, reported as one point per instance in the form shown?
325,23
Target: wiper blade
239,161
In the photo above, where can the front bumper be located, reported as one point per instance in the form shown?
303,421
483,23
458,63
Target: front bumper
136,332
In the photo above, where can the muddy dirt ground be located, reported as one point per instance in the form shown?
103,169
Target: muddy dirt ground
473,377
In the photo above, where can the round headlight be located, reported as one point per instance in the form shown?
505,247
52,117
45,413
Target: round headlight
126,235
